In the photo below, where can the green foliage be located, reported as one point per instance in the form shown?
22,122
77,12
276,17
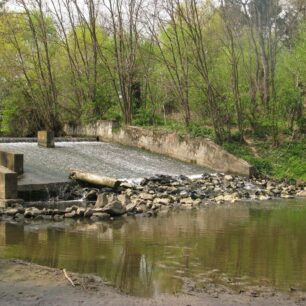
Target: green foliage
262,166
197,130
8,115
17,116
284,162
288,160
146,117
113,113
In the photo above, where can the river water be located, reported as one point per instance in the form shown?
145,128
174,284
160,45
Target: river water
263,243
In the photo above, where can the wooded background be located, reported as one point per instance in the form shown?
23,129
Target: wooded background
223,68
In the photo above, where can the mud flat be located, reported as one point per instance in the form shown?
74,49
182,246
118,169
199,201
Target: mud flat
23,283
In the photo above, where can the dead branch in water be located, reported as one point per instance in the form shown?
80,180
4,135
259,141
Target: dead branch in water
69,279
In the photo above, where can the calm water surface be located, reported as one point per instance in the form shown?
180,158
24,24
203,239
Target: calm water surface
141,256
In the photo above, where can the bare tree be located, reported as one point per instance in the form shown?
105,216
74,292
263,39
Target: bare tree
195,21
167,29
42,62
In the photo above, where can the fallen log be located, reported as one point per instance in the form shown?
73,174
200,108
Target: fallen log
94,179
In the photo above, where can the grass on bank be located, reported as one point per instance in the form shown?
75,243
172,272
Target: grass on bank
287,161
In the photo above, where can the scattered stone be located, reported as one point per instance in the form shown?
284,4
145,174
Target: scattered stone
88,213
162,201
157,195
102,200
71,214
126,185
12,211
228,178
115,208
100,217
38,218
301,194
58,217
19,217
32,212
80,211
146,196
47,217
92,195
124,199
130,207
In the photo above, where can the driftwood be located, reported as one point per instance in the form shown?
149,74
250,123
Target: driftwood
70,280
94,178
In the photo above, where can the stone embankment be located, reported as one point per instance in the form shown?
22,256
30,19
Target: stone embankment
156,195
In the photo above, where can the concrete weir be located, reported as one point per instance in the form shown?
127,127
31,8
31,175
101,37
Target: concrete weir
47,165
46,169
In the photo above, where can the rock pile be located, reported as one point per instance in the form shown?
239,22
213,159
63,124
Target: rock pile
159,194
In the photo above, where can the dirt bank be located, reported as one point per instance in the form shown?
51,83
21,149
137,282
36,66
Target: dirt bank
24,283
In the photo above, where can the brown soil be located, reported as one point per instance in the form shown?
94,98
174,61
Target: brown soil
24,283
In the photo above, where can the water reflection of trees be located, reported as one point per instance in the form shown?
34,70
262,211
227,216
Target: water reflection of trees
134,272
142,256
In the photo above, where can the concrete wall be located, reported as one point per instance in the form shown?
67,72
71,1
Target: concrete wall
203,152
99,129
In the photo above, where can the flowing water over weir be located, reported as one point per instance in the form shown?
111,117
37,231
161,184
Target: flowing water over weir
232,245
52,165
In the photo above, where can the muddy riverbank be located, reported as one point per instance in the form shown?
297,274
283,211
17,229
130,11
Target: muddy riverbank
23,283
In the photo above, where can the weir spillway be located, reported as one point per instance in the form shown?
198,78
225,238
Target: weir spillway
49,166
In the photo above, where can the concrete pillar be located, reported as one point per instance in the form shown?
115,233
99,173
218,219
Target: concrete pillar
11,160
45,139
8,183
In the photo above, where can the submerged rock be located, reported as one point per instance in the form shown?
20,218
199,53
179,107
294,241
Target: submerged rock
71,214
100,216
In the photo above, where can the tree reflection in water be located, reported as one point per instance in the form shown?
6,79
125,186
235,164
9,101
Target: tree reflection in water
144,256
